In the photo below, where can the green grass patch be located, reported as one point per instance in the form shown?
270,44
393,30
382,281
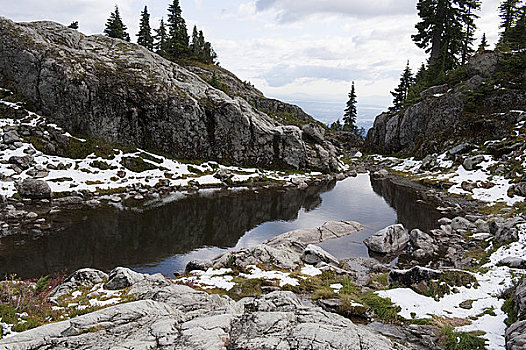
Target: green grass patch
453,340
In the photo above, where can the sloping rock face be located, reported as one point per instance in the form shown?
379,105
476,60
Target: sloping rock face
169,316
450,114
122,93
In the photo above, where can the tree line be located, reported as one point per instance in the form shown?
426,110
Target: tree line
170,39
446,32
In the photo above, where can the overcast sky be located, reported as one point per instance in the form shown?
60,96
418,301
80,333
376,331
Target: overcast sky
304,51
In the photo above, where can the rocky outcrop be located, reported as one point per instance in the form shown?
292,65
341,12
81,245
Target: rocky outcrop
34,189
516,333
122,93
170,316
287,250
447,113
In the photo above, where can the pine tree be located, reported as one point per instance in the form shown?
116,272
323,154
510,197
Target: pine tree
74,25
195,48
177,32
336,126
442,29
401,92
516,35
115,28
144,37
161,40
350,113
509,14
483,43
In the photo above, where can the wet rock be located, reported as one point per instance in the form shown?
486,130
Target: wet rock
32,215
471,162
314,255
459,223
413,276
34,189
69,200
201,265
329,230
389,240
84,277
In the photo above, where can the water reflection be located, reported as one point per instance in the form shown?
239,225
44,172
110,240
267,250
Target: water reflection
165,238
105,238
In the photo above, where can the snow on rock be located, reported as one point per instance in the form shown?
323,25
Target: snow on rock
486,298
283,278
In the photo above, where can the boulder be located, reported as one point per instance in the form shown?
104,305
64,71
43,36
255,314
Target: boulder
23,162
11,137
422,241
520,189
314,132
34,189
413,276
459,149
121,277
314,255
513,262
460,223
434,90
471,162
429,162
84,277
519,298
516,336
506,230
201,265
389,240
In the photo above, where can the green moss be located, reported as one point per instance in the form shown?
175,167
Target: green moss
137,164
8,314
452,340
509,309
445,284
383,308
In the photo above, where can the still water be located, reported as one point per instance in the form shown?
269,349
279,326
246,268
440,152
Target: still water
163,238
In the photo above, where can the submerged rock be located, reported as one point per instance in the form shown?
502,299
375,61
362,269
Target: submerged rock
389,240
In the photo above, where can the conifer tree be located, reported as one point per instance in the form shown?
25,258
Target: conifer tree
178,39
468,19
74,25
509,14
115,28
161,40
350,113
144,37
442,29
483,43
194,45
401,92
516,35
336,126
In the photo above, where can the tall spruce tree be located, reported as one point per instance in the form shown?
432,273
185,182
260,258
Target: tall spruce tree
483,43
115,28
401,92
195,48
144,37
509,14
178,39
161,40
74,25
442,29
350,113
516,36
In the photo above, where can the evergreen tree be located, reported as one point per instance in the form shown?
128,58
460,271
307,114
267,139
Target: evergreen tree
177,32
483,43
115,28
516,35
442,29
350,113
468,18
509,14
161,40
336,126
74,25
195,48
144,37
401,93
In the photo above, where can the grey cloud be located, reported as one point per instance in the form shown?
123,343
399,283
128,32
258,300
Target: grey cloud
295,10
283,74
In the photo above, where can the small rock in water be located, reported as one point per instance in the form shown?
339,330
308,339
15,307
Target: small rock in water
32,215
115,199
